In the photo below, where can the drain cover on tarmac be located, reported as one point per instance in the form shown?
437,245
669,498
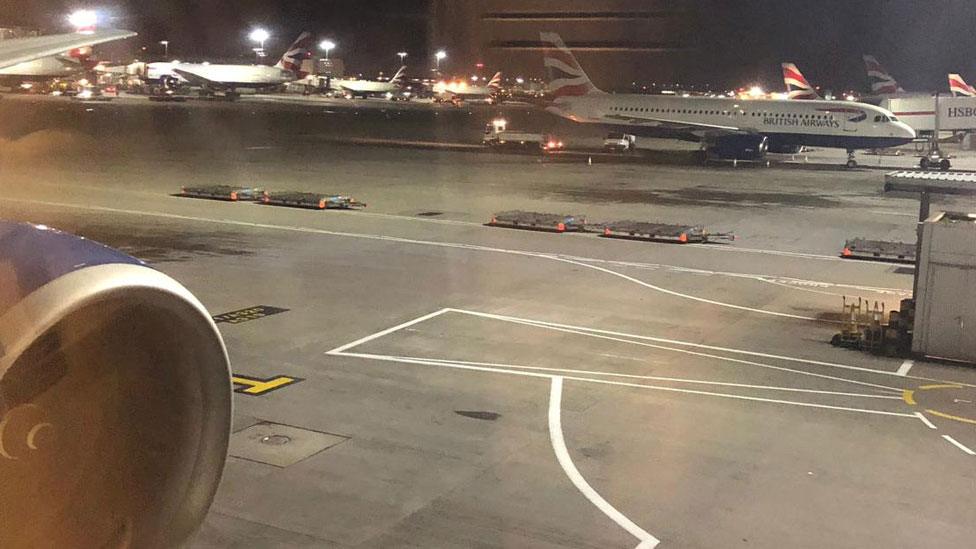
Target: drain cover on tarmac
279,445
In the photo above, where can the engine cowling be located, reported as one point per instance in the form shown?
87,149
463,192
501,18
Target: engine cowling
115,397
737,147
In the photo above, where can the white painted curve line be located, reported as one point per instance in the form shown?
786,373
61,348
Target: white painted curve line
645,539
959,445
455,245
687,296
904,368
925,420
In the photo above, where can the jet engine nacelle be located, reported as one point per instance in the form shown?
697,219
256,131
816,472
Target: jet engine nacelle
115,397
737,146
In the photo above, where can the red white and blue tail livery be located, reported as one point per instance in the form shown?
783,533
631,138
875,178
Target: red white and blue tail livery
797,86
296,54
495,82
959,87
882,83
565,76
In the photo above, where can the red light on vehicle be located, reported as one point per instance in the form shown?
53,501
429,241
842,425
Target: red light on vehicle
561,227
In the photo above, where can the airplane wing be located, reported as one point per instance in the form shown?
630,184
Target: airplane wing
22,50
194,78
675,124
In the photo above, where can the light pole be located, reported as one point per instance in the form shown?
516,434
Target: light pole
260,35
165,44
402,55
440,56
327,45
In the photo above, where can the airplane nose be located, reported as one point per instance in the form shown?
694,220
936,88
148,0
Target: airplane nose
907,131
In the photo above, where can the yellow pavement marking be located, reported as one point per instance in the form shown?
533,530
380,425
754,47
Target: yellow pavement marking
256,386
954,418
909,397
940,386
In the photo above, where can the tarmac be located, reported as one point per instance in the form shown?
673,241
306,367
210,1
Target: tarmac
409,377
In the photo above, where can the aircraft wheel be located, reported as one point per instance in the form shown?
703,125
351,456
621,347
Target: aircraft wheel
944,165
923,163
852,164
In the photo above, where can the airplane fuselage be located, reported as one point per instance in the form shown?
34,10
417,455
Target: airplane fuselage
837,124
364,86
235,76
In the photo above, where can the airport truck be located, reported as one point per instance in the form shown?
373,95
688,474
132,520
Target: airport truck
497,135
620,142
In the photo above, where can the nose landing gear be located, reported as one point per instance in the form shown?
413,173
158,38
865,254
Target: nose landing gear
851,161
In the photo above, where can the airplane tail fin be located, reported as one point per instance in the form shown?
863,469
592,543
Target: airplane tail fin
881,81
797,86
399,75
958,86
564,74
496,81
296,54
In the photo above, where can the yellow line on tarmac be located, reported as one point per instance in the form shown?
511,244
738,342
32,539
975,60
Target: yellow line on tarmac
940,386
909,396
955,418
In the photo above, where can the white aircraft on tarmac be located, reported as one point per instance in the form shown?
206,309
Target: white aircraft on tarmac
469,92
228,78
728,128
364,88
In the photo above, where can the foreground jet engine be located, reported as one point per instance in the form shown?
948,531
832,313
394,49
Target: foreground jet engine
115,397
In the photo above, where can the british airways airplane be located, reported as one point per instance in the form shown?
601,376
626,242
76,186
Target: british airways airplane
727,127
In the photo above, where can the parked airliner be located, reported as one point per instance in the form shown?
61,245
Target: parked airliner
727,127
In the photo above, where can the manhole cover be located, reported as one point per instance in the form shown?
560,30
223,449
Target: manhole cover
279,445
430,214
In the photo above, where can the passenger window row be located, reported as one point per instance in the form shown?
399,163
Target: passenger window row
727,113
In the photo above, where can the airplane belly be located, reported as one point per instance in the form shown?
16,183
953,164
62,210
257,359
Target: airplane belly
47,66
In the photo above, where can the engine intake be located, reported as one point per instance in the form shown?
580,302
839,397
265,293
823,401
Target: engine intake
115,397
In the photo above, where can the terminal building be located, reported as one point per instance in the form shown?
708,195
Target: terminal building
614,40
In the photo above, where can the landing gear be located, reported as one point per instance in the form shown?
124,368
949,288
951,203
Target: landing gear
851,161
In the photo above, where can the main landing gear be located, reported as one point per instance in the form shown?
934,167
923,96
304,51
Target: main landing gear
851,161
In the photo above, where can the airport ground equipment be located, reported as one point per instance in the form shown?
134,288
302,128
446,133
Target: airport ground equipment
498,136
620,142
230,193
879,250
314,201
870,328
662,232
945,320
536,221
115,397
926,184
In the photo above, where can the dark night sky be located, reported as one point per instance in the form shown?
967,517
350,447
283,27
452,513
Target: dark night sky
741,40
218,29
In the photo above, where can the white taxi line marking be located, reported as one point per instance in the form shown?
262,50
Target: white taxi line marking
959,445
645,539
